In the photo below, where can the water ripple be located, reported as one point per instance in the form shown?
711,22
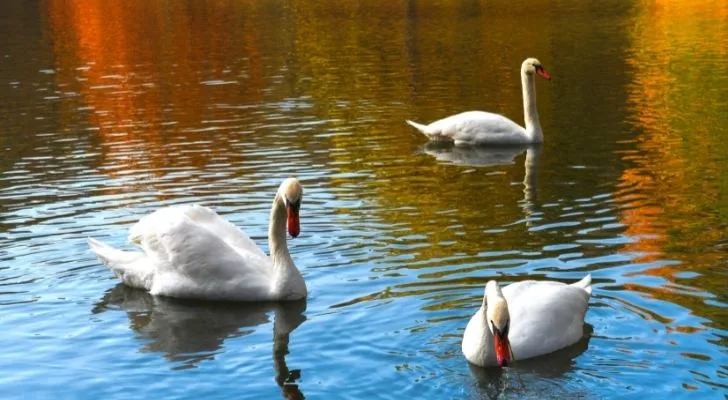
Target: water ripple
108,122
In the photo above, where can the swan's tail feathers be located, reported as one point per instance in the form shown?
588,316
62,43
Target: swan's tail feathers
584,283
104,252
434,134
419,127
132,267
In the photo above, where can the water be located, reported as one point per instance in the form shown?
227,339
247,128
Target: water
110,111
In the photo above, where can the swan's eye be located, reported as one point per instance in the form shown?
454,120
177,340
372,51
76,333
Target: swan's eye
494,330
294,205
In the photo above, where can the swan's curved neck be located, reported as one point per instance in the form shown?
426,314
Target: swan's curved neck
530,113
288,284
277,235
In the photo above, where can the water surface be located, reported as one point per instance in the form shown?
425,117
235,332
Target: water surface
109,111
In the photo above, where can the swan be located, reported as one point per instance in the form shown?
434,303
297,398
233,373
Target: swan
484,128
189,251
524,320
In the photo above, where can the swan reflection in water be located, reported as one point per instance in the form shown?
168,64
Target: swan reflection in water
190,332
481,156
542,373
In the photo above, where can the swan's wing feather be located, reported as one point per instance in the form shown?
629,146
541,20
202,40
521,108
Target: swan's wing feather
223,228
192,260
193,250
203,217
473,127
551,311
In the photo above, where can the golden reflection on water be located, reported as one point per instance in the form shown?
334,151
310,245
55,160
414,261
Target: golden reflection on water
376,90
153,73
159,94
677,167
148,73
143,68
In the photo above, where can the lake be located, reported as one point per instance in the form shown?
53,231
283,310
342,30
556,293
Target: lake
111,110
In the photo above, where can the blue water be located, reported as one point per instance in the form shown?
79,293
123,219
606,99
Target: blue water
111,111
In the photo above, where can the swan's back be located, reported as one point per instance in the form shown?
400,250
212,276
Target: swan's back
475,127
546,315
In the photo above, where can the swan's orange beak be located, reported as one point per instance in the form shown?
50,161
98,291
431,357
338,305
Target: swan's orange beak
294,228
502,348
543,73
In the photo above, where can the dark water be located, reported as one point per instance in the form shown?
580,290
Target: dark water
110,110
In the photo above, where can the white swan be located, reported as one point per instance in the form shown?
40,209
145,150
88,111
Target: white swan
524,320
484,128
191,252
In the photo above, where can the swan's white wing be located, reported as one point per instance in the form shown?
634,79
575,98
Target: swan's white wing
132,267
201,216
197,262
545,316
479,127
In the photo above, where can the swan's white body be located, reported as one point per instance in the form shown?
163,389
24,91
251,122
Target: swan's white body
190,251
484,128
545,316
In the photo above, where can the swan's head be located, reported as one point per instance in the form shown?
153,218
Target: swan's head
532,66
291,193
498,321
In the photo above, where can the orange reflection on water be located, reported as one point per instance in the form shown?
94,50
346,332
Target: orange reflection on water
670,80
146,69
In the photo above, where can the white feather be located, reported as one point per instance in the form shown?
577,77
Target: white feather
545,316
190,251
